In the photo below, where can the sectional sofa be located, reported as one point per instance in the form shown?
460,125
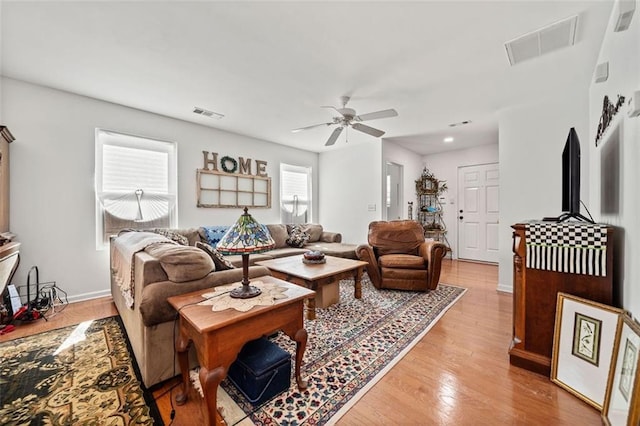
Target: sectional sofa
147,268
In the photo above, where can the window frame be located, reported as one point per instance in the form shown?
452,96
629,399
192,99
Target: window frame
308,171
104,137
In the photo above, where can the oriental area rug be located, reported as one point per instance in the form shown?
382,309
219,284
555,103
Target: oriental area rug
83,374
351,345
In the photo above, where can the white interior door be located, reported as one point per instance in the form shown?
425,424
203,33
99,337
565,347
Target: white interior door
478,195
394,191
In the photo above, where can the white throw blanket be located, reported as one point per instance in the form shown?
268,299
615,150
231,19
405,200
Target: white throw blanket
123,266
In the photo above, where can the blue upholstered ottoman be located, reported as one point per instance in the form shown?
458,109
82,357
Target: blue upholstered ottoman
261,371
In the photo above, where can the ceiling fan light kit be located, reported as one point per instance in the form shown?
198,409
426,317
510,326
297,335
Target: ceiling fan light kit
349,118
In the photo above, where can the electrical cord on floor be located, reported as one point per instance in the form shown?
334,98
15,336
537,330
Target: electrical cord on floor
172,416
252,412
166,391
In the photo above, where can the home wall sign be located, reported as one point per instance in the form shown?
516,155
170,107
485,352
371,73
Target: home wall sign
608,111
229,182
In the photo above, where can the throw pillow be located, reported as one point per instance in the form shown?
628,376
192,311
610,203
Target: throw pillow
172,235
297,237
314,230
181,264
219,261
279,234
212,234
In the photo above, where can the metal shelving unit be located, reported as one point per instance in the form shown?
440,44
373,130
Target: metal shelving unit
429,211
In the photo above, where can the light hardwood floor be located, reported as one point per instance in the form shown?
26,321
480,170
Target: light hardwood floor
458,374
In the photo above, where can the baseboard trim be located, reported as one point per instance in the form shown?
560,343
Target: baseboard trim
504,288
88,296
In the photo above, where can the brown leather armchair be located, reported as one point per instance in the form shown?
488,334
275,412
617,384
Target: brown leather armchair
399,257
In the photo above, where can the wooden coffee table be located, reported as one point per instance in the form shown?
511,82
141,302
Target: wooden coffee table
317,276
219,336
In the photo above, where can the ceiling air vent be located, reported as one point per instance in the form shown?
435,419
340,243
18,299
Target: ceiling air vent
207,113
547,39
461,123
625,13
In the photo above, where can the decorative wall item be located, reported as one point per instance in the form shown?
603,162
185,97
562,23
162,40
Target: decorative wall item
608,111
622,401
228,164
239,184
584,339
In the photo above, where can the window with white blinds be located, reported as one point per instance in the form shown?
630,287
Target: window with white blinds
295,194
136,181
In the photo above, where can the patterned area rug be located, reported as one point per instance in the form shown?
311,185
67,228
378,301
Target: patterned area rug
351,345
81,374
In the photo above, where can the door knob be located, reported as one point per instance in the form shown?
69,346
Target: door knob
461,217
460,210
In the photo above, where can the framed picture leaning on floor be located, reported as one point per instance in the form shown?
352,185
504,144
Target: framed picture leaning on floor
622,400
583,343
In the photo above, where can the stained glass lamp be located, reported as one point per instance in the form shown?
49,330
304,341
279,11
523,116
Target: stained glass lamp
245,237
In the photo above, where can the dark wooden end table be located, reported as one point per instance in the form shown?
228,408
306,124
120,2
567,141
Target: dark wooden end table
219,336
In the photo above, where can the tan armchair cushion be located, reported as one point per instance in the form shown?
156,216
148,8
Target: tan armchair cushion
402,261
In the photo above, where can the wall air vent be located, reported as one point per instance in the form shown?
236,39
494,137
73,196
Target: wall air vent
547,39
207,113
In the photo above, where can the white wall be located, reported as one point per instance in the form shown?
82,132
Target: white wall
532,138
444,167
351,181
411,168
52,178
622,51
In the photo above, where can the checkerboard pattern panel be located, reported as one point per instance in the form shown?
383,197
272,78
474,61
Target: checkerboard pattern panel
573,247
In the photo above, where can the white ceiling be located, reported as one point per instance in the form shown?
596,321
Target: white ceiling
269,66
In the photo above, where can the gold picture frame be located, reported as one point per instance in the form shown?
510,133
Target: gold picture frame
622,400
583,345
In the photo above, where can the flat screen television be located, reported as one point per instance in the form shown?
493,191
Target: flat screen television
571,179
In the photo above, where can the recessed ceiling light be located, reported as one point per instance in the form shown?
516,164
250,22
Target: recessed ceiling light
448,139
207,113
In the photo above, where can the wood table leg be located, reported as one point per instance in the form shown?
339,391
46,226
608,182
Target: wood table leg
210,381
310,308
357,292
182,351
301,344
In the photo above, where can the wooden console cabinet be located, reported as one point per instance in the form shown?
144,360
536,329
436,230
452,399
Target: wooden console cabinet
534,302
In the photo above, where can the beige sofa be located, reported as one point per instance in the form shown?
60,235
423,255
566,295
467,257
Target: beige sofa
330,243
164,270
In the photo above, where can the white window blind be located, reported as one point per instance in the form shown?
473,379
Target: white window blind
295,194
136,183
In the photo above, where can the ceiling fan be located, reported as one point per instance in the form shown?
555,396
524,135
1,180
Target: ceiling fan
349,118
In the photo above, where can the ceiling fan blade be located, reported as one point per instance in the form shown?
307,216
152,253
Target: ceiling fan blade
368,130
334,136
300,129
378,114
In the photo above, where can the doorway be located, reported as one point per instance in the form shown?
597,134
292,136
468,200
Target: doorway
478,195
393,190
